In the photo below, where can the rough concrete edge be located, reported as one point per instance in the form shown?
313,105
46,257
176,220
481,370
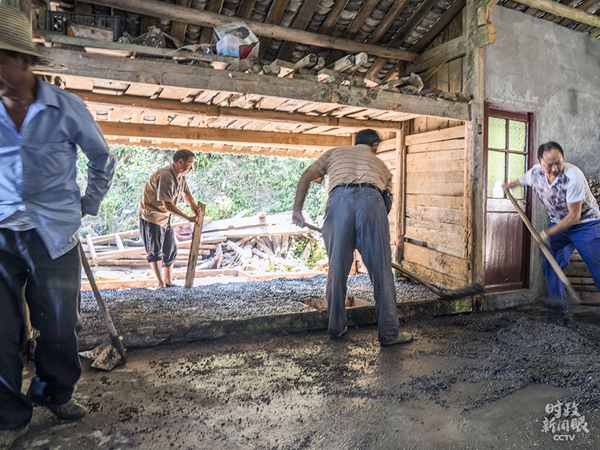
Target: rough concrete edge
504,300
312,320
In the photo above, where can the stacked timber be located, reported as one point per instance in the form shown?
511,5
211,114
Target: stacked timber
241,246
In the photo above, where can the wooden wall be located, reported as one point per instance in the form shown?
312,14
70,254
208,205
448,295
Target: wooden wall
389,152
435,244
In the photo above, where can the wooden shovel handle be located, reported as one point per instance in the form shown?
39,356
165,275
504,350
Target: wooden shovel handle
542,245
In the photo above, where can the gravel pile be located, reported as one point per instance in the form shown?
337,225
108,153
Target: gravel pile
135,308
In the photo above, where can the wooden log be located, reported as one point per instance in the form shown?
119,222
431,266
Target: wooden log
194,246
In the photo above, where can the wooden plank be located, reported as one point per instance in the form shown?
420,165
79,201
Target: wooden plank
194,246
447,228
435,166
209,19
454,241
455,144
415,200
435,177
438,279
435,188
444,264
433,213
442,155
434,136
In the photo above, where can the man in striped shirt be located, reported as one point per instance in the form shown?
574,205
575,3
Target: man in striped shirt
355,218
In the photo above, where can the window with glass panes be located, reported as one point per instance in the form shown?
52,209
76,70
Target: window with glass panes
507,155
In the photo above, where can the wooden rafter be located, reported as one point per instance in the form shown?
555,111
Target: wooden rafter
563,11
162,106
214,6
414,20
209,19
178,29
246,8
330,22
301,21
274,16
363,14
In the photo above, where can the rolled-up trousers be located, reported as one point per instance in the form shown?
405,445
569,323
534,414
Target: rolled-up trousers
356,218
51,289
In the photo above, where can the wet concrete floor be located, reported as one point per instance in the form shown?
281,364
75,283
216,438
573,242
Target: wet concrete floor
475,381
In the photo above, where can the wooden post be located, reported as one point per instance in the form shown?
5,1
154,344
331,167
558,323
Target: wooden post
194,247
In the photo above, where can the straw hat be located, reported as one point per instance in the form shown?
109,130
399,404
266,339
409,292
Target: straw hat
15,36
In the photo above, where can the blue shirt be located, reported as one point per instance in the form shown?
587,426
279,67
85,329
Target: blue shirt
38,168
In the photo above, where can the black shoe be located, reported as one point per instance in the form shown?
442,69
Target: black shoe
70,410
7,437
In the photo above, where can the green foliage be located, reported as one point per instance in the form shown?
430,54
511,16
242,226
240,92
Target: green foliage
227,184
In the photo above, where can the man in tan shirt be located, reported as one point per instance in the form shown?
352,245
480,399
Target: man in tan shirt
159,201
356,218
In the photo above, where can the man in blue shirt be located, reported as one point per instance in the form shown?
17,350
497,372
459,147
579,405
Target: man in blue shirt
41,207
574,217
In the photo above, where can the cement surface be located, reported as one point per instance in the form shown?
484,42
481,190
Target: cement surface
476,381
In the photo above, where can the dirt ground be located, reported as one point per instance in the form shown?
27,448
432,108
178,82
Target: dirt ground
475,381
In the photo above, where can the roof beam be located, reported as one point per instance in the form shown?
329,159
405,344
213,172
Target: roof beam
222,136
563,11
208,19
165,106
207,148
162,73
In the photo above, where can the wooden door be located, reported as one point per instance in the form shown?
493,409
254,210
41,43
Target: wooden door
508,138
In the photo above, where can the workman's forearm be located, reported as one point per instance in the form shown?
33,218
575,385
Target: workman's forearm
568,221
190,201
301,191
176,211
511,184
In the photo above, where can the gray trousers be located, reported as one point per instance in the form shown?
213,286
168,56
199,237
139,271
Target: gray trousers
356,218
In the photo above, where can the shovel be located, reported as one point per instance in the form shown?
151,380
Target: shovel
462,292
106,357
572,296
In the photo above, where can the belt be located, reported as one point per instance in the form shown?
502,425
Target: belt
368,185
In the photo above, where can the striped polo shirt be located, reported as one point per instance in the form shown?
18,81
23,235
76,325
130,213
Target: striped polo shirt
356,164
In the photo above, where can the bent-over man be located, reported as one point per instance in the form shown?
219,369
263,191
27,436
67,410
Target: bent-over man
40,214
574,217
355,218
159,201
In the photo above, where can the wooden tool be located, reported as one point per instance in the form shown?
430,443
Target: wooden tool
193,258
572,296
109,361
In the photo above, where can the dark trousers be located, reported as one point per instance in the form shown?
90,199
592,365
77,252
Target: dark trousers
159,242
51,289
585,238
356,218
